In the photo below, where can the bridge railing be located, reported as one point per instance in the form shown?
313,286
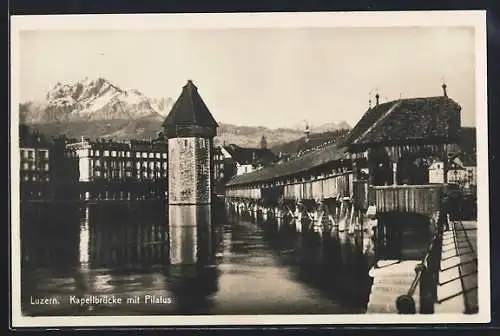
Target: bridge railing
426,277
422,199
335,186
248,193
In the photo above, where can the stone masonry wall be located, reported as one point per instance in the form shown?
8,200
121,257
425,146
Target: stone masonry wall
189,179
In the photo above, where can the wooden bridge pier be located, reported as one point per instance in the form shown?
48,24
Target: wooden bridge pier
322,206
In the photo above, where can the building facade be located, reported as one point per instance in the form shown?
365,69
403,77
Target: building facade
247,160
34,160
219,171
106,160
34,165
463,170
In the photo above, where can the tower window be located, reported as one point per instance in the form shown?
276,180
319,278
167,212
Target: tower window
185,143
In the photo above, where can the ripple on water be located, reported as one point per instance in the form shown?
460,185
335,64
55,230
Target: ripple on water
258,272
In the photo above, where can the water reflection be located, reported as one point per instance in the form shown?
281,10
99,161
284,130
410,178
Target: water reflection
190,228
187,260
123,235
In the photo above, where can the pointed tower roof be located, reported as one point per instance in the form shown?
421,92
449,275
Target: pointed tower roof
190,109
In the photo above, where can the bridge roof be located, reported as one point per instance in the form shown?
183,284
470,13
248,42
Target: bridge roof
405,121
400,122
299,164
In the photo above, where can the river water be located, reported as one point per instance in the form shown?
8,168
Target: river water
105,252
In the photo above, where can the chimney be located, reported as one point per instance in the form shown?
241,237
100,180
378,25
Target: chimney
444,90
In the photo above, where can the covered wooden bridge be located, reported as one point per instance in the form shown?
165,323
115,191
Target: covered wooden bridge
380,167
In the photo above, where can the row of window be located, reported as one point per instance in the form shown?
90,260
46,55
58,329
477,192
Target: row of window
128,164
202,143
123,154
35,167
120,195
32,153
33,194
119,175
123,171
34,177
219,157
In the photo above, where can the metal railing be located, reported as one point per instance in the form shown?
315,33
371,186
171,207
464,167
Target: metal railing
426,277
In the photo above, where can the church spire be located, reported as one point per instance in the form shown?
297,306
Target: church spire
263,142
307,131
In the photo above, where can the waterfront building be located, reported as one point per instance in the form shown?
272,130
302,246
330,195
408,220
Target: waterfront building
218,164
247,160
46,172
436,172
34,151
107,160
463,170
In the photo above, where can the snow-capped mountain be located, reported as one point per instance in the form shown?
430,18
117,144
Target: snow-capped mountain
93,100
98,108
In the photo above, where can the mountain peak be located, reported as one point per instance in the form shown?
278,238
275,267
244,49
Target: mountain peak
94,99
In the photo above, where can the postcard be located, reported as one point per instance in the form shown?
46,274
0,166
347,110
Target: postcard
249,169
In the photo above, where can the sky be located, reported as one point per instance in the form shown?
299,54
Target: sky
274,77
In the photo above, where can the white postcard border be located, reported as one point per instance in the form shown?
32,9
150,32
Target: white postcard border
475,19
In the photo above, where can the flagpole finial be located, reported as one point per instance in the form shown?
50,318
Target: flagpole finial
444,86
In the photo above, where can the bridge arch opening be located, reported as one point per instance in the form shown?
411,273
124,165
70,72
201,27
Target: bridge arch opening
403,235
381,167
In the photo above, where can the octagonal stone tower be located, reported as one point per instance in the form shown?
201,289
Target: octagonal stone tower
190,129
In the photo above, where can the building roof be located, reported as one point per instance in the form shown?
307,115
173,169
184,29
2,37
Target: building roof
316,140
244,155
405,121
467,159
133,145
190,109
299,164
